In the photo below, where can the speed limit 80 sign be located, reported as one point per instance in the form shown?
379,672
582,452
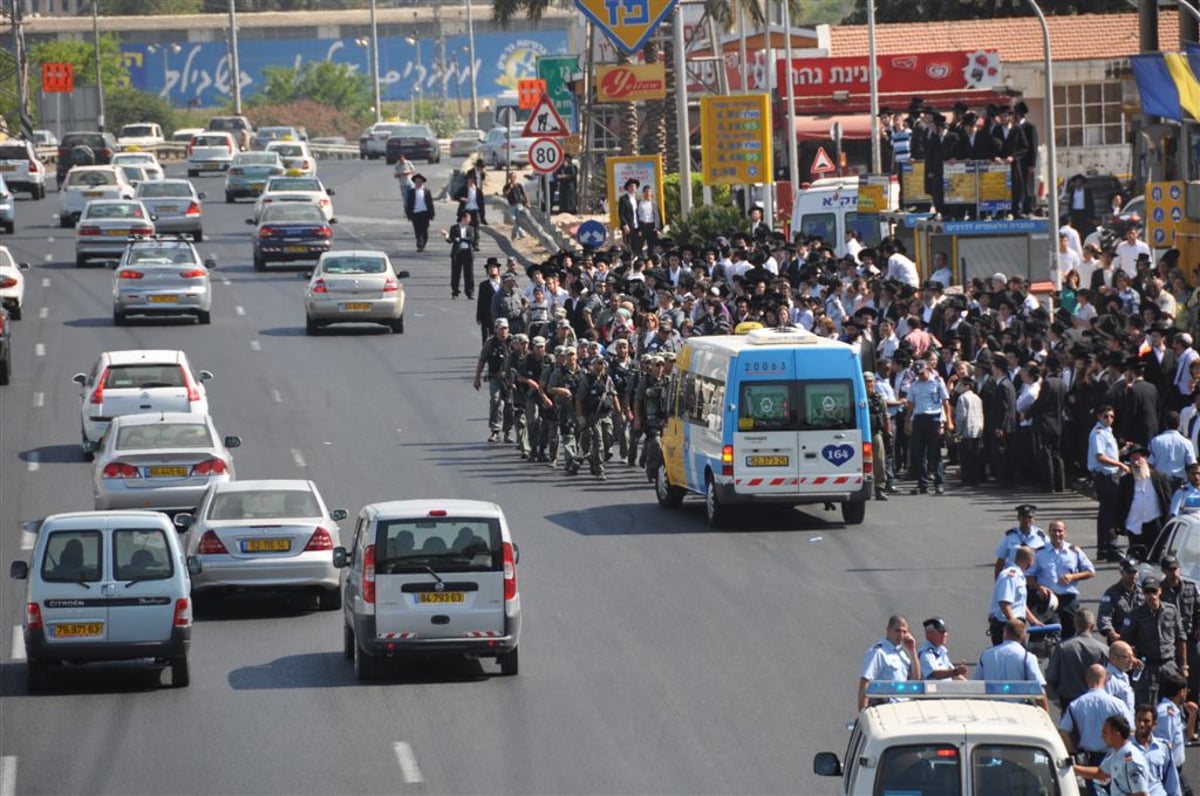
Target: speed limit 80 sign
546,155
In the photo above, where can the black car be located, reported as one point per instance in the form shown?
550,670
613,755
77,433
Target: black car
290,231
415,142
5,346
102,145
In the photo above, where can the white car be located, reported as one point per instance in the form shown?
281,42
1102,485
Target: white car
12,284
184,135
147,160
295,189
106,226
465,142
296,157
142,134
22,169
85,183
210,151
503,146
377,136
134,381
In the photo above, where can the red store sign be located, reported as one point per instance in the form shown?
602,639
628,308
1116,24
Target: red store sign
924,73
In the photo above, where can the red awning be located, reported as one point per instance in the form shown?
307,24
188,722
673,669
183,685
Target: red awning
855,127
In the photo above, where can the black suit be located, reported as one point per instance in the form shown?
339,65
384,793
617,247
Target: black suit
627,218
1161,486
1047,414
420,221
462,258
982,146
1000,415
477,218
1013,145
938,149
1083,219
483,307
1137,414
1029,164
1160,374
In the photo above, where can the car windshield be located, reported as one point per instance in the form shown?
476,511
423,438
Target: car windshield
164,435
294,184
153,190
232,123
131,130
354,265
256,159
134,173
411,131
275,132
142,377
13,152
90,179
260,504
294,212
125,210
162,255
1021,769
445,544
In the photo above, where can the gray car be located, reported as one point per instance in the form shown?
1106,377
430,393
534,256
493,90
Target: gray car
356,286
175,205
162,277
106,227
164,461
265,535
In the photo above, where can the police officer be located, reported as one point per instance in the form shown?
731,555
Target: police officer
1188,494
1121,661
550,379
494,355
1124,767
1084,717
596,401
933,655
517,354
564,385
893,657
1119,600
929,421
527,376
651,414
1159,764
1010,660
1057,567
880,430
1010,596
1169,724
1155,632
1184,595
1024,534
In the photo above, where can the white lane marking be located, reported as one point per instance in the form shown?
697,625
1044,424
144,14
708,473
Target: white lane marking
33,463
28,539
226,282
39,349
408,763
239,309
44,312
276,397
39,400
8,775
18,643
255,345
46,279
298,457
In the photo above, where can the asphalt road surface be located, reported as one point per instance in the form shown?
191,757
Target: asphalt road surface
659,656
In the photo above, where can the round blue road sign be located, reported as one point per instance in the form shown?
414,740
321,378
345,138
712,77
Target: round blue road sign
591,234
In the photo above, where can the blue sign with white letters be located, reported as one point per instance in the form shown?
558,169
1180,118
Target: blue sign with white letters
591,234
837,455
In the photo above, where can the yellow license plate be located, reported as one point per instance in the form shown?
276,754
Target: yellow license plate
93,194
78,629
267,545
163,299
118,233
767,461
168,472
8,168
357,306
295,249
441,597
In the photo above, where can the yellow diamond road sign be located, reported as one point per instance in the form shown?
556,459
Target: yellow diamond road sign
629,23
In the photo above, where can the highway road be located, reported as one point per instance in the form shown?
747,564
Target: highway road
659,656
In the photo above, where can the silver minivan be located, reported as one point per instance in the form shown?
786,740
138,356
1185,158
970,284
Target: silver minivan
106,586
426,577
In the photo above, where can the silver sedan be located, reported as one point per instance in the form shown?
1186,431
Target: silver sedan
175,205
162,276
105,227
355,286
164,461
269,535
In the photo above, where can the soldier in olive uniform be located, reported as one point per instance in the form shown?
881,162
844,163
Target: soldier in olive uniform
494,355
620,370
517,353
651,414
527,376
595,403
563,386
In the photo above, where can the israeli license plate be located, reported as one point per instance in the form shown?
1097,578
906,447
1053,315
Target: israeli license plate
295,249
93,194
357,306
168,208
266,545
767,461
117,233
7,168
429,597
78,629
257,186
166,472
163,299
212,164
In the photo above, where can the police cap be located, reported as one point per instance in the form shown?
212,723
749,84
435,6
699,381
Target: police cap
1151,584
1026,510
935,622
1170,563
570,349
521,337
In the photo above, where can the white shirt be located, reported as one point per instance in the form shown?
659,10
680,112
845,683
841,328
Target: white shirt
1073,241
1029,393
1144,507
645,211
1127,255
472,198
942,275
1085,312
1068,261
419,203
853,247
903,269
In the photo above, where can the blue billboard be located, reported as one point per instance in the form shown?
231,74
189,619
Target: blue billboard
199,73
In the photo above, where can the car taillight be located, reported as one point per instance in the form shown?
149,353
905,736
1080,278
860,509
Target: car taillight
193,209
34,167
142,231
121,470
106,154
212,466
196,273
7,281
126,273
391,285
267,201
368,575
193,391
211,545
98,393
88,231
323,232
319,286
727,460
33,616
267,232
868,458
236,172
323,202
183,613
510,572
320,540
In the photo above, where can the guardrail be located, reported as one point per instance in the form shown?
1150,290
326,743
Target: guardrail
174,151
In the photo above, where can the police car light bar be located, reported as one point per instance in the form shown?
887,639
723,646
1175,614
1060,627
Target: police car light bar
950,689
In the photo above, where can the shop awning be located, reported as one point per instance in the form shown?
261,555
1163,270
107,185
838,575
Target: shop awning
855,127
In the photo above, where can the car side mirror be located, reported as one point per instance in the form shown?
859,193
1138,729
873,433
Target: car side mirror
183,521
340,558
19,570
402,274
337,515
250,221
331,192
89,446
154,216
233,441
23,266
79,379
202,196
194,565
516,553
826,764
306,274
333,221
210,263
205,375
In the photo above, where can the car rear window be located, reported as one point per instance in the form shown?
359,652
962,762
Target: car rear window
796,405
447,544
354,265
923,769
294,184
288,150
95,210
73,556
141,554
152,190
256,159
211,140
137,130
164,435
231,123
13,152
162,255
142,377
91,178
85,139
258,504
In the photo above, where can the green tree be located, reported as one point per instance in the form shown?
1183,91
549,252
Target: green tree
721,195
337,85
146,8
81,55
705,223
129,106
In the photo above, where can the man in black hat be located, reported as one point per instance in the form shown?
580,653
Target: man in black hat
940,146
418,208
488,288
462,238
1080,206
1028,161
1013,150
975,142
1143,500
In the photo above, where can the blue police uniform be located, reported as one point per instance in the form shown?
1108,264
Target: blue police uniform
1035,540
1010,588
1164,779
933,657
885,661
1104,481
1127,767
1086,714
925,441
1009,661
1170,729
1119,686
1185,497
1050,564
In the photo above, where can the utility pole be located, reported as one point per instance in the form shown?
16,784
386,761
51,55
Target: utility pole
375,66
99,70
235,71
471,48
22,72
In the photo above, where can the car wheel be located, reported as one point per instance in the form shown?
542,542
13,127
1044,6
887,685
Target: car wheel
431,161
397,326
36,675
347,642
198,235
64,220
854,513
714,509
15,313
364,665
509,662
668,496
329,599
311,327
118,318
495,161
229,198
80,261
5,371
39,192
10,227
181,676
193,173
259,264
205,318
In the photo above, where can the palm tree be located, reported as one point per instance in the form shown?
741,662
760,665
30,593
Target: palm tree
654,128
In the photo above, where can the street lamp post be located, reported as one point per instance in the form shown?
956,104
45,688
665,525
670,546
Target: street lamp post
417,88
375,65
235,71
458,84
99,69
1051,149
873,87
471,47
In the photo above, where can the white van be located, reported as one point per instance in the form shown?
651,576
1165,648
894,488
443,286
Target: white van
106,586
829,207
426,577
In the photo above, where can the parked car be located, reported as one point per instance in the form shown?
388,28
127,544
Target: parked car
12,284
44,138
22,169
415,142
291,231
210,152
8,208
465,142
237,126
377,136
175,205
